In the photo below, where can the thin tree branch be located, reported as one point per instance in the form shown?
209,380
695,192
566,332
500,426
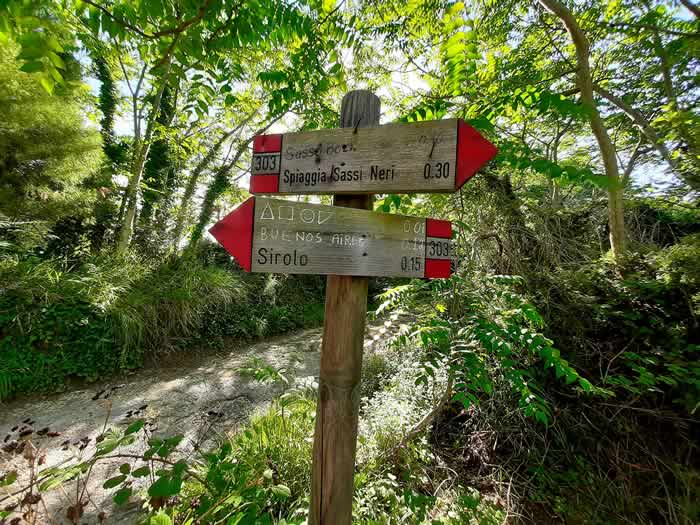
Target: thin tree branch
651,27
641,121
627,174
164,32
126,75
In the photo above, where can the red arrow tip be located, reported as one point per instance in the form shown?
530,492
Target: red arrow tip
235,233
473,152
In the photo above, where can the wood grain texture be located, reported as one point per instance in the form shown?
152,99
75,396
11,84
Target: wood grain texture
335,436
302,238
416,157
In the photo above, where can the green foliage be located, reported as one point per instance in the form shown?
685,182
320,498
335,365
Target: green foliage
107,101
42,52
46,152
106,314
377,369
160,170
257,369
650,309
482,328
574,384
261,474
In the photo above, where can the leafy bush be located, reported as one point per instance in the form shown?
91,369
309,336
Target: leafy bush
643,325
377,370
105,314
479,329
167,305
263,473
55,324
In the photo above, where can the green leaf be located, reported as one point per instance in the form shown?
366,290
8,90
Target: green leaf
160,519
108,445
57,60
8,479
165,486
585,384
55,75
113,482
141,472
60,476
134,427
122,495
48,84
30,53
161,487
51,483
125,468
52,43
32,66
281,491
541,417
179,467
174,441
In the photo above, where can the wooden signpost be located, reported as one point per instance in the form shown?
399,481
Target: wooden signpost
418,157
348,243
278,236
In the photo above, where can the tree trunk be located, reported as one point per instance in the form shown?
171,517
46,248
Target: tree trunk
191,187
691,7
605,144
141,148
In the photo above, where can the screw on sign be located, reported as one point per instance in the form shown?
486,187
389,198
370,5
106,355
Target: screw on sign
276,236
348,242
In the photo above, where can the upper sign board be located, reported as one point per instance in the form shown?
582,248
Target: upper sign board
418,157
277,236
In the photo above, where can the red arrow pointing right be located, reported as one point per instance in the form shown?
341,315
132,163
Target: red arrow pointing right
473,152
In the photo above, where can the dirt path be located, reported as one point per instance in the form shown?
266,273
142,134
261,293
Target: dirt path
204,398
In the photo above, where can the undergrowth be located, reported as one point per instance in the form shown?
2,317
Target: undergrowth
103,315
497,404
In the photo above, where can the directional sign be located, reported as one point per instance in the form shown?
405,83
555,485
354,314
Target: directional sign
418,157
277,236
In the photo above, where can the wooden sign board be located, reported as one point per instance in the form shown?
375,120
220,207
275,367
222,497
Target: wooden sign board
278,236
418,157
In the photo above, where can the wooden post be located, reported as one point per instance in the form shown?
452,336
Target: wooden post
335,436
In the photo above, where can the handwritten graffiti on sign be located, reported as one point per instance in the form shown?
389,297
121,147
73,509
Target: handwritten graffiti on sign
277,236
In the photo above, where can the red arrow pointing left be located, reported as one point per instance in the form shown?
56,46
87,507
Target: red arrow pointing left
235,233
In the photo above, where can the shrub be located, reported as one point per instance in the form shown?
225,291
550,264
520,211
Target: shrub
55,324
168,304
263,473
642,325
105,314
377,369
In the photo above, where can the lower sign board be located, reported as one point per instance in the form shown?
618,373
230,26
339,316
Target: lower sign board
417,157
278,236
